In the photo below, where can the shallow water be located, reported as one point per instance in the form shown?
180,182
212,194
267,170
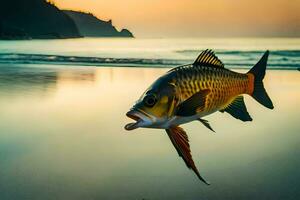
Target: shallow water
62,137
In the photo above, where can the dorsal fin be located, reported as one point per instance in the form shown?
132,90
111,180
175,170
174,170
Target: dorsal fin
208,58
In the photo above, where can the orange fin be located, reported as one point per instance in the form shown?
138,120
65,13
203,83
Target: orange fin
180,141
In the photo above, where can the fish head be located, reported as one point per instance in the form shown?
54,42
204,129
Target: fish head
154,108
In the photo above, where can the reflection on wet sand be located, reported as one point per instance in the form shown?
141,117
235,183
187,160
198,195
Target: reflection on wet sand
14,80
30,80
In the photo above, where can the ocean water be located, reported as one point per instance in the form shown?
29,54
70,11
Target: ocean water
62,135
234,52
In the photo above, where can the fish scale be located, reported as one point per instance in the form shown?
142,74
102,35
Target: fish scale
223,84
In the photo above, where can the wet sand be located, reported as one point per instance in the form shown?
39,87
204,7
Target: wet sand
62,137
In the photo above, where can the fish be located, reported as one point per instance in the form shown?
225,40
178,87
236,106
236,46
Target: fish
190,92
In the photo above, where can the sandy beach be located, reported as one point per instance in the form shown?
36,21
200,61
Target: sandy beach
62,136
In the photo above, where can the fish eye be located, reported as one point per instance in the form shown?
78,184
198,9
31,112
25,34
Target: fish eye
150,100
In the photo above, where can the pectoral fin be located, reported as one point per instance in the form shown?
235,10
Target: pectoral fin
238,110
193,104
206,124
180,141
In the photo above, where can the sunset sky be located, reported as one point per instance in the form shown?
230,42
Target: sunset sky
196,18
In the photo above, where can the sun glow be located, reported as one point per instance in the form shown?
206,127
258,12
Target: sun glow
192,18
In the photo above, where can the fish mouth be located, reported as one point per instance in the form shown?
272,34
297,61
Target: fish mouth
135,115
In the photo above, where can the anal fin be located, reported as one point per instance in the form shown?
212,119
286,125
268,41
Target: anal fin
237,109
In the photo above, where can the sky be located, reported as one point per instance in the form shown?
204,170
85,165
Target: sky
196,18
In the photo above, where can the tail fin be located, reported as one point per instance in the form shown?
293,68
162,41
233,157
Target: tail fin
259,92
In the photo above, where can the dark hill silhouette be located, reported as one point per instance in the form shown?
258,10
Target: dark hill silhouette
24,19
90,26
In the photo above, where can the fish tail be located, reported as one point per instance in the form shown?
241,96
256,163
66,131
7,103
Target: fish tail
256,86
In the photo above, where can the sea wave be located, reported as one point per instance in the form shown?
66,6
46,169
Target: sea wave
288,53
283,59
78,60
